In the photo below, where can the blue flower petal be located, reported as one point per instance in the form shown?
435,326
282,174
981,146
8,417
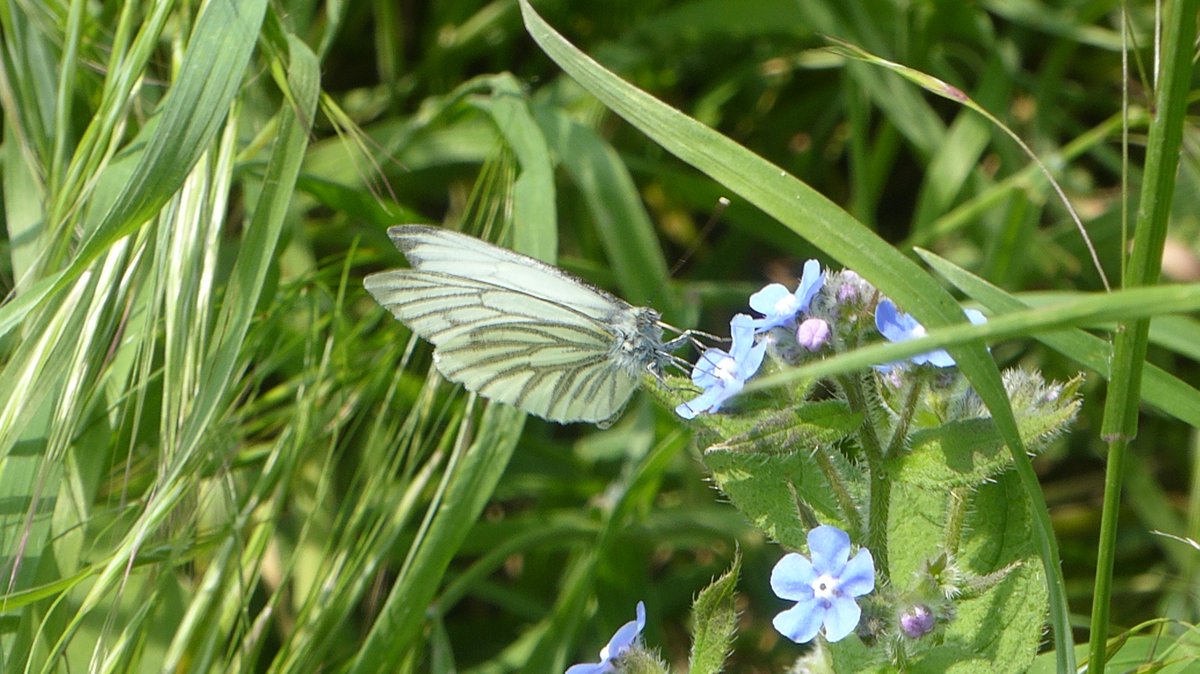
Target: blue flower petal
723,375
625,635
830,548
710,400
792,577
591,668
686,410
752,362
620,642
810,284
939,358
897,326
779,306
768,300
801,622
741,329
841,618
858,577
699,404
892,324
705,373
725,393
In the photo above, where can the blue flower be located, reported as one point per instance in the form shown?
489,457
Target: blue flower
824,588
781,306
620,642
898,326
722,375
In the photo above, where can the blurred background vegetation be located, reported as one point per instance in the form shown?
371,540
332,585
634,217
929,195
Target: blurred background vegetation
218,454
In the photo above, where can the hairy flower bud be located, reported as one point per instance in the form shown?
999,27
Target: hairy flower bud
813,334
917,621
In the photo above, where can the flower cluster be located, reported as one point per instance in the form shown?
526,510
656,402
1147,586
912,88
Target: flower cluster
857,436
802,322
722,374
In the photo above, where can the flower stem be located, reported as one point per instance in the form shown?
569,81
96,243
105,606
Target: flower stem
854,525
956,512
900,432
879,488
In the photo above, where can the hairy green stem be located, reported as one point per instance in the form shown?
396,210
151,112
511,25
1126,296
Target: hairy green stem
849,508
900,432
956,513
879,488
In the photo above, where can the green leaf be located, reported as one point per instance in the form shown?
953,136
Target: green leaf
803,428
533,201
967,452
1000,629
470,488
715,616
773,470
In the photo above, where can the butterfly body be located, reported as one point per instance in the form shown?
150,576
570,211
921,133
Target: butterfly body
516,330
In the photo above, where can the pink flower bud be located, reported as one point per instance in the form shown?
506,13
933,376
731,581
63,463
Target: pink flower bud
813,334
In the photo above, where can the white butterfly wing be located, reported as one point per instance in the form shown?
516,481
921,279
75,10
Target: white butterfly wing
513,329
441,250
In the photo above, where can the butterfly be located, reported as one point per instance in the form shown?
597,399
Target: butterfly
519,331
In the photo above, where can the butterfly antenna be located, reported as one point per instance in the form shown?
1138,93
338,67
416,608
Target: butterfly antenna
722,204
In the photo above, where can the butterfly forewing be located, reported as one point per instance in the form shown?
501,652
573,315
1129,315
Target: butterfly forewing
441,307
438,250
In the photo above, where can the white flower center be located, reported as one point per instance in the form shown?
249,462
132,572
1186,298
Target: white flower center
825,587
918,331
786,306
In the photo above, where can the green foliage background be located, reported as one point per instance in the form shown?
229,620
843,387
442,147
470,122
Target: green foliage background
218,454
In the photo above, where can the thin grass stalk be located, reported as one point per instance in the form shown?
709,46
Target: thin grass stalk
1129,348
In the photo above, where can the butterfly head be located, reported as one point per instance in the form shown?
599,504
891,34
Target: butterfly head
638,343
